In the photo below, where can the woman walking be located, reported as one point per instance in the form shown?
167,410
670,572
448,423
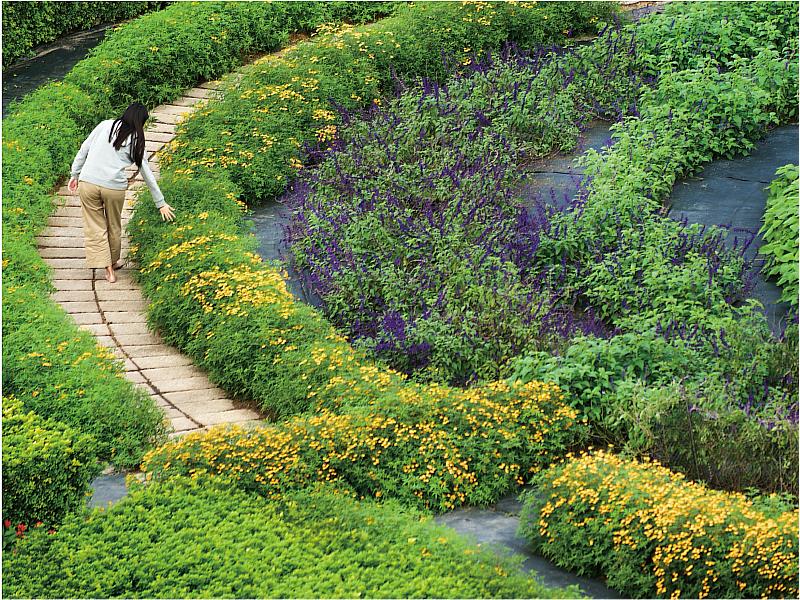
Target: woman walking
98,173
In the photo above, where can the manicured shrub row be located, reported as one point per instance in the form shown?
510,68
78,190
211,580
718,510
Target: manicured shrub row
184,540
781,231
652,534
47,466
29,24
154,59
430,447
50,365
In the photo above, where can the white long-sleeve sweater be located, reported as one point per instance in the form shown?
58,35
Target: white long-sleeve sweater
98,162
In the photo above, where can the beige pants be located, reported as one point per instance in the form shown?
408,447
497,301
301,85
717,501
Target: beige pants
102,223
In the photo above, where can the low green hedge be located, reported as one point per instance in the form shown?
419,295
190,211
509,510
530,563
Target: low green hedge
185,540
781,232
29,24
47,466
432,447
652,534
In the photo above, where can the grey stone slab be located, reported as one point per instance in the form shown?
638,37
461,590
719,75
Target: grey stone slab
73,296
141,350
96,329
172,413
195,396
115,317
205,407
63,252
167,373
163,360
163,137
87,318
184,384
198,93
183,424
107,490
228,416
158,127
59,220
59,241
84,273
132,340
106,340
187,101
72,284
112,294
129,328
66,263
76,307
138,306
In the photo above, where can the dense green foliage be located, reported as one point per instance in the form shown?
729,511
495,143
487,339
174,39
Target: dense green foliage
430,447
47,466
184,540
654,535
781,232
29,24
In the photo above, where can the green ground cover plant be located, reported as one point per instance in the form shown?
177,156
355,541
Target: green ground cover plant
781,232
47,466
29,24
653,534
183,539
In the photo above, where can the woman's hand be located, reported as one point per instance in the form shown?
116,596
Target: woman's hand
167,213
72,186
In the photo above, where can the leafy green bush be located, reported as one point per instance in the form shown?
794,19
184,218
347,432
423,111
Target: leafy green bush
428,446
654,535
47,466
29,24
781,232
184,539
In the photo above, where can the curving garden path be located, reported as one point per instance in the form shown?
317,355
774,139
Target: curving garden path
116,313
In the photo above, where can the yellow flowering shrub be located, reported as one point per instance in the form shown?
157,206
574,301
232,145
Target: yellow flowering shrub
429,446
652,533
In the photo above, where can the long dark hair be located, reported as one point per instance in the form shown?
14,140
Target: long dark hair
131,123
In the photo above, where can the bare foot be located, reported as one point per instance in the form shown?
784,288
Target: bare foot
118,265
110,276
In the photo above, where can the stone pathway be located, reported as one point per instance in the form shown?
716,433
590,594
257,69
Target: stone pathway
116,313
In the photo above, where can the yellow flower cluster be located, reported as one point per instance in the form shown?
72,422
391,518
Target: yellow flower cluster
421,440
690,537
231,291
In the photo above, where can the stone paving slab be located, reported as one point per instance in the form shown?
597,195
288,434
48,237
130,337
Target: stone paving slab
116,314
228,416
49,252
